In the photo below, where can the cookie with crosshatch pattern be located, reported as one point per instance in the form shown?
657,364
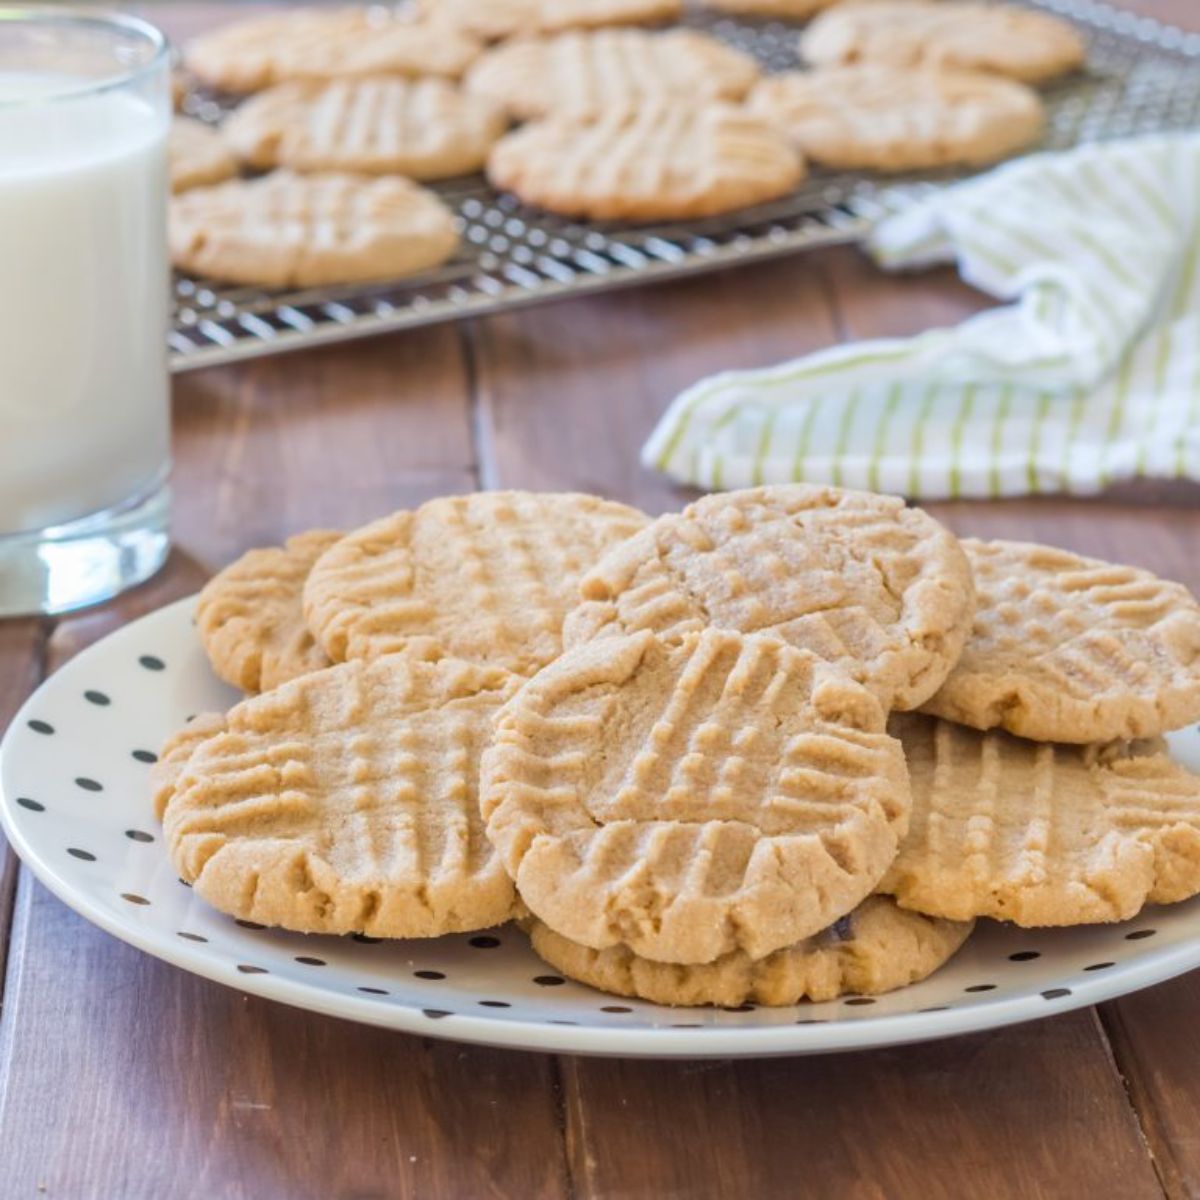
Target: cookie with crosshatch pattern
881,590
486,577
196,155
656,162
423,128
876,948
250,618
874,116
1072,649
347,801
496,19
997,38
326,43
689,800
1042,834
287,230
585,73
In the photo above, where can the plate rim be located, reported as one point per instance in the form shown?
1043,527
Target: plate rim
743,1041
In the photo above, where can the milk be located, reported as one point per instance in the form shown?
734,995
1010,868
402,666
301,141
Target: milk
83,301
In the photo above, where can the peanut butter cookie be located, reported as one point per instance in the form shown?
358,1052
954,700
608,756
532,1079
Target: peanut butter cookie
1071,649
879,589
723,793
347,801
486,577
1042,834
876,948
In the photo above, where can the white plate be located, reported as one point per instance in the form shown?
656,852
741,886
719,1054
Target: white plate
75,805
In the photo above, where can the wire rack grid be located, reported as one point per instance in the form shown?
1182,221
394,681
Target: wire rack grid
1141,76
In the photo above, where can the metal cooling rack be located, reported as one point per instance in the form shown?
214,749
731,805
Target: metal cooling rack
1141,76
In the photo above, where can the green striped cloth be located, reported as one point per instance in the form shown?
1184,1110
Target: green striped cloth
1087,374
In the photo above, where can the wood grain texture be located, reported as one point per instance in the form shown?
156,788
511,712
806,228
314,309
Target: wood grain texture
568,393
1156,1042
128,1079
22,647
1025,1113
123,1077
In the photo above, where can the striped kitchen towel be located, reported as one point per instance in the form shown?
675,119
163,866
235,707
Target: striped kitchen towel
1090,373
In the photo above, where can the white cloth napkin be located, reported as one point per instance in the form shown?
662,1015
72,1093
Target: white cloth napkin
1090,373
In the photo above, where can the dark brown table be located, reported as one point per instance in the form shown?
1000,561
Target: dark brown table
123,1078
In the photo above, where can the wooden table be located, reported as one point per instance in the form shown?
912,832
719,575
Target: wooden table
123,1078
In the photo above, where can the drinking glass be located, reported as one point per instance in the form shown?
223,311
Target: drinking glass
84,291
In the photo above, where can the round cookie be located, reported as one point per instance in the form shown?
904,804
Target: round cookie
346,801
250,619
1000,39
423,128
584,73
1042,834
879,117
486,577
658,162
689,800
196,156
881,590
326,43
496,19
286,230
876,948
1072,649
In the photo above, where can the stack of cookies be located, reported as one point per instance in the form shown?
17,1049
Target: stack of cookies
352,109
787,744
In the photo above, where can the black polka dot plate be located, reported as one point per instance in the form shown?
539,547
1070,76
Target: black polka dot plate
75,804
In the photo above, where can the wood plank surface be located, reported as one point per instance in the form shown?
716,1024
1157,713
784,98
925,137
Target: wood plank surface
131,1080
568,393
707,1130
1021,1113
121,1077
1156,1043
22,646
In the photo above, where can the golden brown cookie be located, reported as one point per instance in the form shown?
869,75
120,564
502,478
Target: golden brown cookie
486,577
347,801
658,162
1072,649
878,117
723,793
175,752
1001,39
326,43
1042,834
250,618
583,73
196,155
423,128
876,948
882,590
495,19
287,230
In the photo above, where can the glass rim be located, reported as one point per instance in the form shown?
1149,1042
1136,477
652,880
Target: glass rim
66,15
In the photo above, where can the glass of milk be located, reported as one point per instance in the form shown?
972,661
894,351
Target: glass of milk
84,286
